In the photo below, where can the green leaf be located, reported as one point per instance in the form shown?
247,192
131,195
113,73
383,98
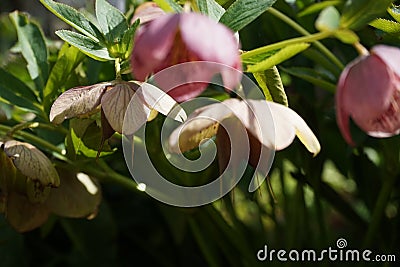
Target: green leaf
277,58
112,22
68,59
17,93
394,11
74,18
357,13
312,76
91,48
271,83
127,40
242,12
86,138
17,86
314,8
169,6
33,48
328,19
385,25
210,8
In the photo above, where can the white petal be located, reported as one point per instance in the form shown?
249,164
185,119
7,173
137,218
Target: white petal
147,98
199,120
288,124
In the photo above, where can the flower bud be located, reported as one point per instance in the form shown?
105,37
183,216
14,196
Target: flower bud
369,92
186,37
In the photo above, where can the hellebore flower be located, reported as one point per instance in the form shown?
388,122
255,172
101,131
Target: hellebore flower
369,92
31,189
265,133
186,37
113,99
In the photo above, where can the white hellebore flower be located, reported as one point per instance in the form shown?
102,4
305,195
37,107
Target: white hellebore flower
269,126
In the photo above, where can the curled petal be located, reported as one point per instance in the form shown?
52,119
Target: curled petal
115,102
32,163
288,124
147,12
390,55
201,124
77,101
147,98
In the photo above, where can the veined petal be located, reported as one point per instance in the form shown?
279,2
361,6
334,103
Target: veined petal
160,101
115,102
77,101
148,97
32,163
288,124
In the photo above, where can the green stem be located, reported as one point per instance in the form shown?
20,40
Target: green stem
34,139
303,31
109,175
304,39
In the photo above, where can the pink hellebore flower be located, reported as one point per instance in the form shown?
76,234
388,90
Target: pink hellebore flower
369,93
178,38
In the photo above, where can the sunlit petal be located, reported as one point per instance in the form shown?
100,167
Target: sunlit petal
77,101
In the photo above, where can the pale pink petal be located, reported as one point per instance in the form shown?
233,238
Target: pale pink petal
115,102
390,55
77,101
153,45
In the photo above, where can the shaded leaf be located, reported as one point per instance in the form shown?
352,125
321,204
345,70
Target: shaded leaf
311,76
314,8
277,58
242,12
272,86
18,87
74,18
357,13
33,48
68,59
91,48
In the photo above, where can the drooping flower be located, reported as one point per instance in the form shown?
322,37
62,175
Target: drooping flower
186,37
31,188
269,126
112,98
368,92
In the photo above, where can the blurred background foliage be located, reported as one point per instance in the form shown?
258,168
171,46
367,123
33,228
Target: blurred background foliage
344,192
